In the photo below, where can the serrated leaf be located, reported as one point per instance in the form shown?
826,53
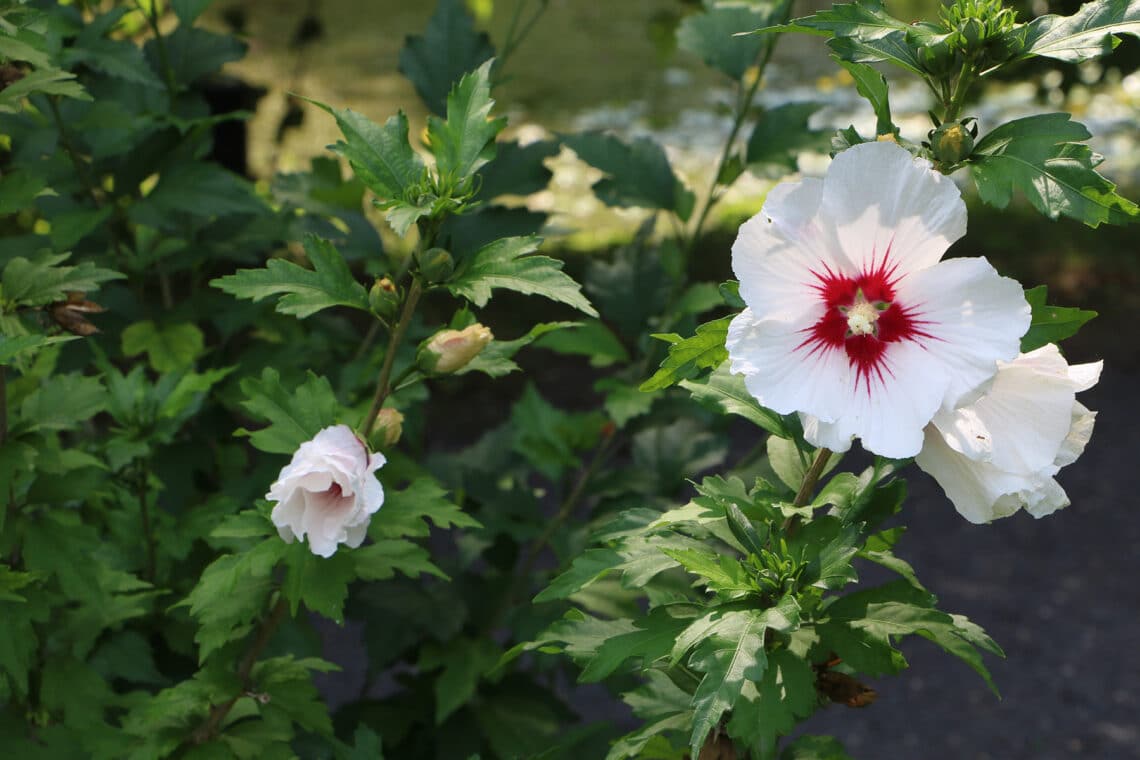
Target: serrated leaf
1050,324
586,568
1041,157
188,11
192,52
61,403
719,572
637,173
727,392
1086,34
406,513
711,35
294,417
461,144
517,169
168,348
50,81
873,87
891,48
318,582
383,558
704,350
650,640
379,155
464,662
449,48
198,189
306,291
865,20
728,664
772,706
506,264
591,338
13,347
41,280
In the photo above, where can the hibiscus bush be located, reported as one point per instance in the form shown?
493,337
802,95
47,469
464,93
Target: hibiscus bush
240,426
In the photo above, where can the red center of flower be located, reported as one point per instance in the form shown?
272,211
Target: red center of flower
862,318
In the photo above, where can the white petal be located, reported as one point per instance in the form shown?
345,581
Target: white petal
783,375
1046,498
1085,376
880,198
779,254
888,412
973,315
980,492
828,435
1080,431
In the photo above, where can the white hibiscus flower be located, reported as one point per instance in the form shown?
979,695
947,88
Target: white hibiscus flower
852,320
328,492
1000,453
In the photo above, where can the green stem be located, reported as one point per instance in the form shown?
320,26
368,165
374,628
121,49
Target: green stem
160,45
807,488
147,527
384,384
515,36
961,90
209,729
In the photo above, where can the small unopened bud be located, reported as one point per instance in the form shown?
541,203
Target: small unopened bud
436,264
388,429
451,350
384,298
952,143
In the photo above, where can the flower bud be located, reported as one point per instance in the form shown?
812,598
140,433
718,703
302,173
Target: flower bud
952,143
388,429
451,350
384,298
436,264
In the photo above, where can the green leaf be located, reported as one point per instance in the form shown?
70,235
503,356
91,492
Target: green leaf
188,11
366,745
1086,34
728,664
815,748
505,264
1041,157
781,133
464,661
873,87
42,281
379,155
1050,324
44,81
320,583
719,572
466,140
199,189
623,402
587,567
892,48
406,513
307,291
448,48
773,706
548,437
13,347
293,417
231,593
865,20
637,173
711,36
383,558
193,52
726,392
517,169
651,640
705,350
591,338
18,189
61,403
168,348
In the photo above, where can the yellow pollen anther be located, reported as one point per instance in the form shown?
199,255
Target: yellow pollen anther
861,318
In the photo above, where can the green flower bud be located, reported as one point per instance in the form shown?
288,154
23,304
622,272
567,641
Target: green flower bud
451,350
384,298
952,143
436,264
388,429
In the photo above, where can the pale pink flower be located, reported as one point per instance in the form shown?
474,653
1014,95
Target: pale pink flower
852,320
328,492
1000,453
